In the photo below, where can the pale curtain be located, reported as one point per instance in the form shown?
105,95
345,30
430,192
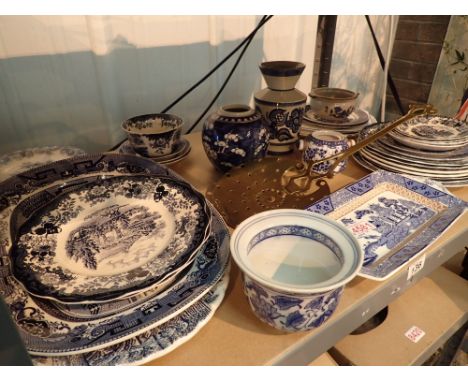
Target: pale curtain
451,77
72,80
355,63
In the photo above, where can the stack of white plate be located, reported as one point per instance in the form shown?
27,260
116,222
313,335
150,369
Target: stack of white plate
108,259
349,125
430,146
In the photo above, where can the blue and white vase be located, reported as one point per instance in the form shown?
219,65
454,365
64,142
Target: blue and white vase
233,136
281,105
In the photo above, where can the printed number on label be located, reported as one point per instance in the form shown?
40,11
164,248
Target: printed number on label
416,267
415,334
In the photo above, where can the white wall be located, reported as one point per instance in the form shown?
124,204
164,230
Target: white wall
71,80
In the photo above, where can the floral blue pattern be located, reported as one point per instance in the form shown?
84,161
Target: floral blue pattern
317,149
234,141
291,312
284,124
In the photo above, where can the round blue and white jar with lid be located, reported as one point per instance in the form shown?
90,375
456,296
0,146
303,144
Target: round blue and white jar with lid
233,136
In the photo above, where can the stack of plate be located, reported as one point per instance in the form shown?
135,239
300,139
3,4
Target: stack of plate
349,125
108,259
430,146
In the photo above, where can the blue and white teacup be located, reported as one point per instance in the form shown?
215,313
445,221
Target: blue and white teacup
322,144
153,135
332,104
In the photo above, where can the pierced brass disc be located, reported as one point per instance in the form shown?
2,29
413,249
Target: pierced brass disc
259,186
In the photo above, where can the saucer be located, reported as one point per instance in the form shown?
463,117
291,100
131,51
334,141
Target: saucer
181,150
355,118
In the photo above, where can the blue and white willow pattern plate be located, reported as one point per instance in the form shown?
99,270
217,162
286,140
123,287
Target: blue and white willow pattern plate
44,331
111,237
393,218
153,343
22,160
433,128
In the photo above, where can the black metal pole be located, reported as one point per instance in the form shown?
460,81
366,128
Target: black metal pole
382,63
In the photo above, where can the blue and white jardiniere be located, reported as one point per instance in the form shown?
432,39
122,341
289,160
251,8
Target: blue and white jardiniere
291,313
233,136
295,266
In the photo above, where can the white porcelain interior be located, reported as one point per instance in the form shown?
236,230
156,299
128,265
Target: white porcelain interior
266,250
329,136
281,75
152,124
335,94
236,111
325,102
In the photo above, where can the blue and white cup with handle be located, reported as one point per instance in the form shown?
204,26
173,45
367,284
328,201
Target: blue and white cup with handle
322,144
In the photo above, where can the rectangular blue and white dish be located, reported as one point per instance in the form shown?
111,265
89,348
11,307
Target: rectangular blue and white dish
392,216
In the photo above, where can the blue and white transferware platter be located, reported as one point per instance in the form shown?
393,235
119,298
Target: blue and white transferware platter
109,238
22,160
44,330
153,343
393,218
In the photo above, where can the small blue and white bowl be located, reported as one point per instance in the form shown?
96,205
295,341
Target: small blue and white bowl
153,135
295,265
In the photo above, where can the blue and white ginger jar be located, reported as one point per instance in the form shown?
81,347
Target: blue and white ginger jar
233,136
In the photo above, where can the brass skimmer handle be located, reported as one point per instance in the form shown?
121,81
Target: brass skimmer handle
305,171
